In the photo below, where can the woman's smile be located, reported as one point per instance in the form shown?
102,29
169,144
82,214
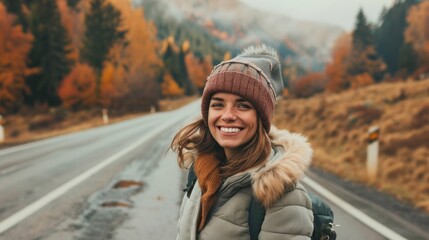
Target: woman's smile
229,130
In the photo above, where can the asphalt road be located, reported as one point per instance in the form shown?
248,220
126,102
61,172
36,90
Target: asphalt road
365,213
48,174
50,184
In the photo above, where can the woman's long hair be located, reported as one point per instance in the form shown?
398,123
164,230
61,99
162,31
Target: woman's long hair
196,138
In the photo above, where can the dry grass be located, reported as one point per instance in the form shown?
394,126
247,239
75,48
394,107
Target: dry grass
33,126
337,127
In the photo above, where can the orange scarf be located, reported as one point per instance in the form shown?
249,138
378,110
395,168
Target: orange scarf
207,169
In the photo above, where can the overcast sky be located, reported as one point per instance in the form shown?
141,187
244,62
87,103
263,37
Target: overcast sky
336,12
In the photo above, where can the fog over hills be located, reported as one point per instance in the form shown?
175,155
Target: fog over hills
235,23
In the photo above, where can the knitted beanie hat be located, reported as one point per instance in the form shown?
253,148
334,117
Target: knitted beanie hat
254,74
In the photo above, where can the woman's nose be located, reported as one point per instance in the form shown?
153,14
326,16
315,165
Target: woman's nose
228,115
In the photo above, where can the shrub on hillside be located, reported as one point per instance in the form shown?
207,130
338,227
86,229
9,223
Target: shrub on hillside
309,85
363,114
421,118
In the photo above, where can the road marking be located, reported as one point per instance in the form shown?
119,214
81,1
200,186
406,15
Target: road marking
359,215
44,141
45,200
25,146
13,168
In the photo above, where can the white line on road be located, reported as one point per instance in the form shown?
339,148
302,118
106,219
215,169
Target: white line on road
365,219
13,168
25,146
45,200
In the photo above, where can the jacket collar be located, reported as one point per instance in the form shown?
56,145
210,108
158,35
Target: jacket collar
280,174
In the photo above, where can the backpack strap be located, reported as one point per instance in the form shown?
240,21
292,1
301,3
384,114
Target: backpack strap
256,217
192,179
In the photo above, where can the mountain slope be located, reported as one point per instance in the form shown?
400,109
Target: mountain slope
233,25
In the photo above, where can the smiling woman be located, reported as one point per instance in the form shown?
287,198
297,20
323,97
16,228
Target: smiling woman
238,156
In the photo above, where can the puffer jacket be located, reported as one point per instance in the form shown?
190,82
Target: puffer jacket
276,185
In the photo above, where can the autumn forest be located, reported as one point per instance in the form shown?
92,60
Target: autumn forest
395,49
92,54
89,54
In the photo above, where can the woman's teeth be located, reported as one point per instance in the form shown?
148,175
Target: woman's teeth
229,130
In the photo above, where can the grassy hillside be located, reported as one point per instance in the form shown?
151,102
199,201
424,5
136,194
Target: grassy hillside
337,128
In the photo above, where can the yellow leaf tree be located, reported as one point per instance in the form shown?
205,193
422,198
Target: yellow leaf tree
138,62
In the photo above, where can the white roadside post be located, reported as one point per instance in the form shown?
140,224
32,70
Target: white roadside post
1,130
372,152
105,116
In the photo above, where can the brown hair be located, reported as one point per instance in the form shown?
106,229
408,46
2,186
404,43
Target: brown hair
196,138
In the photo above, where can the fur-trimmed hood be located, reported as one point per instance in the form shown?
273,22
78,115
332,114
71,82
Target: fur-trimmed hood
293,156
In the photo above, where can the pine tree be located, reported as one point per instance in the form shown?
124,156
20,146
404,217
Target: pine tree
389,36
407,58
364,58
102,32
49,53
362,35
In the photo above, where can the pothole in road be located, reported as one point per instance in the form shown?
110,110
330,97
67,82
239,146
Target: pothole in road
107,210
127,184
116,204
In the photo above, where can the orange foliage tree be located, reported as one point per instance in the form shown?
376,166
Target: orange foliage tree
198,69
417,33
170,88
336,69
309,84
78,87
14,48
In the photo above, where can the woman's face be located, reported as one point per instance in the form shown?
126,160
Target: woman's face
232,120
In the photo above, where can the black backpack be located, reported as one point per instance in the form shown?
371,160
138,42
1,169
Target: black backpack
322,212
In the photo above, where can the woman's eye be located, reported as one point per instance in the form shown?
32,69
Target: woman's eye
243,106
216,105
